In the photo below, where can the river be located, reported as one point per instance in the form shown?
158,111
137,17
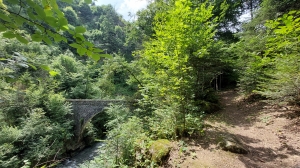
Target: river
86,154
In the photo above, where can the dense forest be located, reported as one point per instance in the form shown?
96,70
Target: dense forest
171,61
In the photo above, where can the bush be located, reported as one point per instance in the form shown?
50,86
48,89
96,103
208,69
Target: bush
123,140
39,131
163,123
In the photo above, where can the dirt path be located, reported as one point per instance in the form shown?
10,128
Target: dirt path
271,135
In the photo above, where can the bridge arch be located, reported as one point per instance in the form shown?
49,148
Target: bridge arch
85,109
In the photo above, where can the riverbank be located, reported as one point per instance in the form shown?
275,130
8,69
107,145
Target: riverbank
87,154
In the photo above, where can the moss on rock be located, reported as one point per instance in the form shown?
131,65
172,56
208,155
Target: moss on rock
159,150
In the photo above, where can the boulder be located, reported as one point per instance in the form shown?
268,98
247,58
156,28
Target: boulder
232,144
159,150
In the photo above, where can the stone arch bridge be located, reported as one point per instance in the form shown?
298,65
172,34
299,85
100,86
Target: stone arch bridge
85,109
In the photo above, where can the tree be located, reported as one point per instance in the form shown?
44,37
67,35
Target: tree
71,15
282,55
184,32
254,66
251,6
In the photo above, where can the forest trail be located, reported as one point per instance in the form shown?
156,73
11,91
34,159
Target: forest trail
271,134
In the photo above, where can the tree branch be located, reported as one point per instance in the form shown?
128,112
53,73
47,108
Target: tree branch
31,21
20,7
132,74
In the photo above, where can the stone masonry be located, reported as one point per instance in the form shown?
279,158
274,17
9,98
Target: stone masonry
85,109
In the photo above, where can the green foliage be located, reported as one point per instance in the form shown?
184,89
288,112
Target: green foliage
124,136
71,15
8,136
194,124
114,75
75,78
34,124
48,23
89,134
164,123
183,35
250,49
227,13
283,53
180,57
35,128
268,52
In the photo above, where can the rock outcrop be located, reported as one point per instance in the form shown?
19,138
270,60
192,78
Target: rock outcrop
159,150
232,144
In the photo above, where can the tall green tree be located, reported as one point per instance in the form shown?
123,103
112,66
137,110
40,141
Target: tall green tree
182,32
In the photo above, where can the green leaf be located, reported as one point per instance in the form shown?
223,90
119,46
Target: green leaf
59,13
53,4
4,17
292,12
44,2
79,38
81,51
65,27
51,20
40,12
62,21
42,29
50,33
58,38
19,20
14,1
30,3
2,28
45,67
106,55
31,15
71,32
80,29
48,11
64,39
95,57
32,66
87,43
75,45
37,37
53,73
9,34
47,40
21,39
88,53
88,1
97,50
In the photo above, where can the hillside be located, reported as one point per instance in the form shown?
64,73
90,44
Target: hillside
271,134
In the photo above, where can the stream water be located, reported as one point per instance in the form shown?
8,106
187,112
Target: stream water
86,154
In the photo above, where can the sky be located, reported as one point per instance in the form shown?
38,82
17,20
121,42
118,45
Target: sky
123,7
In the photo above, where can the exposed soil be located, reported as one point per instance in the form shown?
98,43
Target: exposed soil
271,133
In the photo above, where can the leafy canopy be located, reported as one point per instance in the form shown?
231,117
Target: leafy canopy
49,24
183,33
